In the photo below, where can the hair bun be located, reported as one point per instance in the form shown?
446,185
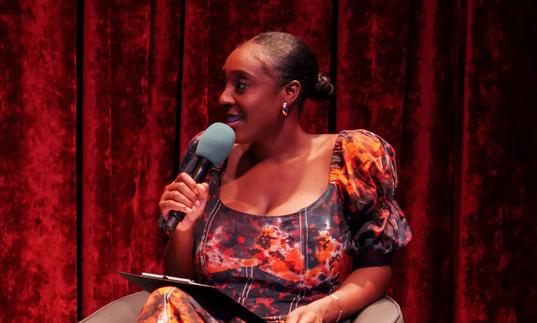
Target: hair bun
323,88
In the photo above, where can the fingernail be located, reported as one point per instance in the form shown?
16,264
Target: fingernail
198,203
188,210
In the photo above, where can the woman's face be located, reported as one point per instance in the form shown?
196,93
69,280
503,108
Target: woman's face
251,97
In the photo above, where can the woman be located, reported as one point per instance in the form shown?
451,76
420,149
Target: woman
295,226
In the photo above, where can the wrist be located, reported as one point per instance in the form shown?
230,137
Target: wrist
327,308
185,225
335,298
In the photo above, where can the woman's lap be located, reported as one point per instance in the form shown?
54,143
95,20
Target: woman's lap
170,304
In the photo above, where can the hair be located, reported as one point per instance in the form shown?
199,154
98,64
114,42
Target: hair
294,60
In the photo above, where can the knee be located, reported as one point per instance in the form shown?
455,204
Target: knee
165,290
169,292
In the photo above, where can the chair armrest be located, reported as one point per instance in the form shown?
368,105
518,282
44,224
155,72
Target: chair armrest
385,310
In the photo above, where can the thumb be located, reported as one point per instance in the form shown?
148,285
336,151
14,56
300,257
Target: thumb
191,217
203,191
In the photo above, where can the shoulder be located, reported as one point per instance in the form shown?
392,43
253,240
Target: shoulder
362,137
361,142
325,141
369,154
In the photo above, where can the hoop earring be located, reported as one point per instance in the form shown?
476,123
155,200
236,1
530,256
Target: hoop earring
285,109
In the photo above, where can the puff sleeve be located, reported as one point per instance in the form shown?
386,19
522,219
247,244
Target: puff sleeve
369,179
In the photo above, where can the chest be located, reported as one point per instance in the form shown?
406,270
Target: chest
276,189
309,248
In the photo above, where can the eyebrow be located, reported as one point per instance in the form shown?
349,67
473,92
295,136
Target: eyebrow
240,72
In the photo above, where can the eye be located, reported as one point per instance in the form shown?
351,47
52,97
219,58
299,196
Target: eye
222,81
241,85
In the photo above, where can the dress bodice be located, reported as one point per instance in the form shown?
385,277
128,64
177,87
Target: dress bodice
273,264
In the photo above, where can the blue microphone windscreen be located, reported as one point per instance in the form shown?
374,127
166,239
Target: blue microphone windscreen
216,142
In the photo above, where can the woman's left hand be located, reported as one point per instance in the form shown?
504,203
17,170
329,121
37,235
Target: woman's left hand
315,312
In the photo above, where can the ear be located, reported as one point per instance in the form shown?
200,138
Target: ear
291,92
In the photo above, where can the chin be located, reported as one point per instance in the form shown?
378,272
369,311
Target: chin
242,136
239,139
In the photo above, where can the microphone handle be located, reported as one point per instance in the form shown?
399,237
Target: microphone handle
198,174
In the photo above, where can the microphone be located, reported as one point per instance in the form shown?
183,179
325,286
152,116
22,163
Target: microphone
214,146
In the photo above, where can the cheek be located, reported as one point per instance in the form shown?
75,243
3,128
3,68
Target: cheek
264,115
261,106
260,118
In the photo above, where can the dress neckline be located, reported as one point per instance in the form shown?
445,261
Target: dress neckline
334,159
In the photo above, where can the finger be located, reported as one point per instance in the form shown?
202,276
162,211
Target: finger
167,206
174,186
180,188
164,212
178,197
197,211
292,317
164,208
199,206
188,192
187,179
203,191
307,317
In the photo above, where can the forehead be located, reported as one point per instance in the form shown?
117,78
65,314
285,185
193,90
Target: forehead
250,58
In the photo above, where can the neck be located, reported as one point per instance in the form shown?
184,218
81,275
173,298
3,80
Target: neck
287,142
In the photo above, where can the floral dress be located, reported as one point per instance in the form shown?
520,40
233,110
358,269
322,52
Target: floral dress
274,264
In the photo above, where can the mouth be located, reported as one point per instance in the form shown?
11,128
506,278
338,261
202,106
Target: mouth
233,118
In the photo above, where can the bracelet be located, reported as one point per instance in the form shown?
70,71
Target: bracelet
334,296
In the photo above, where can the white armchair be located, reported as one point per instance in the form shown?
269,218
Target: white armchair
127,308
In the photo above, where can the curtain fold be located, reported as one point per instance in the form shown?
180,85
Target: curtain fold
428,155
449,84
37,160
495,278
130,77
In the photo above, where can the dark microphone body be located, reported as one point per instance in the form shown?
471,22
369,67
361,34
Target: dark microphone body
214,146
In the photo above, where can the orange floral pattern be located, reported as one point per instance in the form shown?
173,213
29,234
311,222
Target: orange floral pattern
274,264
171,305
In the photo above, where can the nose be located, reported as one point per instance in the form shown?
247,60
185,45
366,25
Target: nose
226,97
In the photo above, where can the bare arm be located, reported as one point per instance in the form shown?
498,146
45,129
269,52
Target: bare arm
362,287
186,196
178,259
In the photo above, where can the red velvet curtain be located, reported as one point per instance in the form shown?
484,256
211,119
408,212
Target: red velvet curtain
98,98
